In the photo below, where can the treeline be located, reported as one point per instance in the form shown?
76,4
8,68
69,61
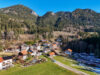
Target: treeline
88,45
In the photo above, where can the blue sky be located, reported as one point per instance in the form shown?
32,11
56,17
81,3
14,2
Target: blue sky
42,6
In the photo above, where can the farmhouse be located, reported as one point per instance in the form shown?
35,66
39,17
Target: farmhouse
24,53
5,62
68,51
54,46
51,54
39,48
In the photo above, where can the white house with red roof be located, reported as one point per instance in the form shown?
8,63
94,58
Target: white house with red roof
5,62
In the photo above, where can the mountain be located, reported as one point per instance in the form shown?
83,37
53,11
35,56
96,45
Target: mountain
49,19
23,20
19,11
77,17
58,19
18,19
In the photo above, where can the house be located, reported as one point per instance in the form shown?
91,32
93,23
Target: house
54,46
59,40
30,51
46,51
68,51
43,40
24,47
5,62
24,53
39,48
52,54
34,53
1,61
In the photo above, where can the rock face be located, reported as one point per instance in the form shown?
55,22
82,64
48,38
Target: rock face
34,13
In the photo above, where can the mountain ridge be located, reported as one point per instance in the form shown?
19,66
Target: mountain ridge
60,19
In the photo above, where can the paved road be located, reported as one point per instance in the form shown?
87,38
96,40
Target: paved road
69,68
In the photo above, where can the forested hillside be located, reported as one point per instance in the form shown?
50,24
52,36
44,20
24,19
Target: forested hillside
75,18
20,19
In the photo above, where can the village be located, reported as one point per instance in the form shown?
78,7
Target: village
28,55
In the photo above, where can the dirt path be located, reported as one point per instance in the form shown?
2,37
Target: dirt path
69,68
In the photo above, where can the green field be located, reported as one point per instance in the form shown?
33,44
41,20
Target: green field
73,64
47,68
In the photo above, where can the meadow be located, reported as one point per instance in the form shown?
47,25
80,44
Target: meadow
47,68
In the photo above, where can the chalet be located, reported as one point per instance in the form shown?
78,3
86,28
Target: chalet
43,40
39,53
46,50
24,47
39,48
24,53
1,62
34,53
54,46
5,62
52,54
68,51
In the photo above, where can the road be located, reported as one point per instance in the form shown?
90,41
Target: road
69,68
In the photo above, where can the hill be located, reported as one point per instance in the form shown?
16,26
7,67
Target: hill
19,11
79,17
16,20
19,19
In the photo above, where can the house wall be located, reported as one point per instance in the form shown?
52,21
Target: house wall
1,66
67,52
6,63
39,48
34,53
24,57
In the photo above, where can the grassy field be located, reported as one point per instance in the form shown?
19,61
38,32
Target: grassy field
47,68
72,64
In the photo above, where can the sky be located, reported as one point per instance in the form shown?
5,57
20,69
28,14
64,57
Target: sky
43,6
